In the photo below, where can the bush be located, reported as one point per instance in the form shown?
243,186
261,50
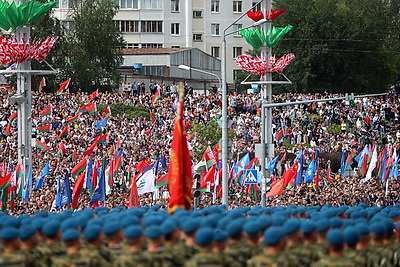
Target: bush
334,129
129,111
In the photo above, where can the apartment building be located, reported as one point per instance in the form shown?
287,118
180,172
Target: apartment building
180,23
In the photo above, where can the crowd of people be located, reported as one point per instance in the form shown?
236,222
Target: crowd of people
366,121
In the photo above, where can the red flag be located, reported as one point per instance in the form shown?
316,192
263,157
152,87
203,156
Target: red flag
156,96
209,177
77,189
142,164
64,133
89,151
44,112
279,135
13,116
106,113
74,118
41,145
42,84
61,149
328,173
134,194
89,107
152,117
74,156
180,167
8,129
317,176
102,138
290,174
80,167
276,188
63,86
45,128
94,94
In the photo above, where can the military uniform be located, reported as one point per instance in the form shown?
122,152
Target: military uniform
101,254
377,256
266,260
14,259
163,259
359,257
329,261
140,259
178,253
51,251
34,258
295,258
238,253
76,260
207,259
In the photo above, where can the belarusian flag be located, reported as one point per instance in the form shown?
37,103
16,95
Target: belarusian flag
156,96
61,149
19,170
163,180
94,94
106,113
279,135
63,86
80,167
102,138
89,107
12,116
45,128
8,129
90,150
64,133
45,112
41,145
74,156
42,84
73,119
111,151
77,190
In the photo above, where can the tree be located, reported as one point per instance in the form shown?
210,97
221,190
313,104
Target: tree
93,48
340,46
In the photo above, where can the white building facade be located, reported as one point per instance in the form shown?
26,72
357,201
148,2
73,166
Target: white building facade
180,23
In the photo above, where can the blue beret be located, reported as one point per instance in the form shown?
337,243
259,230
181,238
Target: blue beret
220,235
26,232
308,227
273,235
152,220
92,232
377,228
130,220
204,236
190,226
234,228
168,227
155,207
292,225
223,223
209,222
335,237
323,225
111,228
51,228
264,221
154,232
9,233
278,220
10,221
363,228
351,236
70,223
251,228
133,231
389,224
70,234
336,222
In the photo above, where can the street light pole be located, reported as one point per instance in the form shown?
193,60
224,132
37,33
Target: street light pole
184,67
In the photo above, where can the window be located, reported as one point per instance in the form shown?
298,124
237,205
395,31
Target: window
152,45
197,14
235,74
63,4
127,25
151,26
237,51
127,4
215,29
237,6
175,46
151,4
175,28
215,51
256,8
128,45
215,6
236,28
198,37
174,5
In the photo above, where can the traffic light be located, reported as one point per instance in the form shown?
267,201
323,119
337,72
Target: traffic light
196,191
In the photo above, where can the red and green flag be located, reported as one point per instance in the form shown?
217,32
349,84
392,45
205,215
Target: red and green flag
106,113
89,108
44,112
80,167
77,189
163,180
13,116
42,84
41,145
156,96
19,171
61,149
279,135
64,133
94,94
73,119
8,129
45,128
74,156
90,150
63,86
102,139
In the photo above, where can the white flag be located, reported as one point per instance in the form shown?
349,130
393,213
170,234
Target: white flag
145,183
372,165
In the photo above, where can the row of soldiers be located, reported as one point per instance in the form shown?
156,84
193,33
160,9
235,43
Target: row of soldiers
292,236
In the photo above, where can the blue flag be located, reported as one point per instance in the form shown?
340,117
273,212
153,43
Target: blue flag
58,193
99,193
45,172
89,171
66,193
272,164
342,163
312,169
160,165
101,123
299,176
394,170
27,186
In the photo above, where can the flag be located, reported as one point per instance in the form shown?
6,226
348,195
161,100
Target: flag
349,160
45,128
42,84
290,174
372,165
279,135
394,172
27,186
41,145
74,156
89,108
99,193
58,191
94,94
5,184
61,149
45,172
299,175
8,129
73,119
208,180
63,86
12,117
133,195
80,167
152,117
89,171
328,173
271,165
145,183
64,133
45,112
77,189
66,194
160,165
89,151
209,157
101,123
19,171
276,188
180,169
312,169
143,164
342,163
162,181
156,96
102,139
106,113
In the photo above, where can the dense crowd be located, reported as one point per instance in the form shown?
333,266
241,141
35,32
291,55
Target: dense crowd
367,121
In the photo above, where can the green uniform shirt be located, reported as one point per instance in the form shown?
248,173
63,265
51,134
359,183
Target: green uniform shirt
76,260
14,259
128,259
329,261
266,260
238,253
206,258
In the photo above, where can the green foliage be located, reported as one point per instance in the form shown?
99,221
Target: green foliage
127,110
92,48
206,135
314,117
334,129
241,75
340,46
